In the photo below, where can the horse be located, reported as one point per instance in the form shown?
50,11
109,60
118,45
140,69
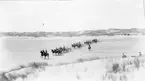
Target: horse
77,45
44,54
94,40
87,42
74,45
57,51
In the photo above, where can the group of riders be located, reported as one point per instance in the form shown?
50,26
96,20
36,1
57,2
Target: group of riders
125,56
44,53
77,45
61,50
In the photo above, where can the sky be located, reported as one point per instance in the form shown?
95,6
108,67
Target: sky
70,15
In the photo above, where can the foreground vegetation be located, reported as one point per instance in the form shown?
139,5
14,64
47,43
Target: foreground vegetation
123,69
119,69
22,72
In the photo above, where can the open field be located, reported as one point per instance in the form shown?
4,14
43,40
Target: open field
78,65
127,69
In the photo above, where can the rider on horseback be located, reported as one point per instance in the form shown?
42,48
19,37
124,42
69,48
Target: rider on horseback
44,53
89,47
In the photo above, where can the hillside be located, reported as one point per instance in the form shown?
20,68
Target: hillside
108,32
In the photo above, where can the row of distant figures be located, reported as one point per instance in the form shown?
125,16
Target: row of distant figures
63,49
123,56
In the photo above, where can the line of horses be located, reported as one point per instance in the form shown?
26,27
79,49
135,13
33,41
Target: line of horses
77,45
63,49
59,51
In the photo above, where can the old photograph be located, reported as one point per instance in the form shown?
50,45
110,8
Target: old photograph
72,40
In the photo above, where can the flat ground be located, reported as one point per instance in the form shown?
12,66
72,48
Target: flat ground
16,51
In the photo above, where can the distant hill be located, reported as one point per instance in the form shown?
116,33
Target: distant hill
109,32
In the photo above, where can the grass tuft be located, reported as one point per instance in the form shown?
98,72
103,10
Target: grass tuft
119,69
22,71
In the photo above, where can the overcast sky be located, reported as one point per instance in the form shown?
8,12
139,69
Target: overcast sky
72,15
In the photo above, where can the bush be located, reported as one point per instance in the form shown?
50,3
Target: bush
37,65
137,63
115,68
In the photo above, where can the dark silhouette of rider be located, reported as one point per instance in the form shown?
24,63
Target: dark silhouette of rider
89,47
44,53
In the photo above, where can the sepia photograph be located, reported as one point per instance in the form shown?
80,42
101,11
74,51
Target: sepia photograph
72,40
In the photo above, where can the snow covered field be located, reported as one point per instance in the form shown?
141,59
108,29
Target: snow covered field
90,70
78,65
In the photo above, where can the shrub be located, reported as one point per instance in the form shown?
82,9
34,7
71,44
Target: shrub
3,77
115,68
137,63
